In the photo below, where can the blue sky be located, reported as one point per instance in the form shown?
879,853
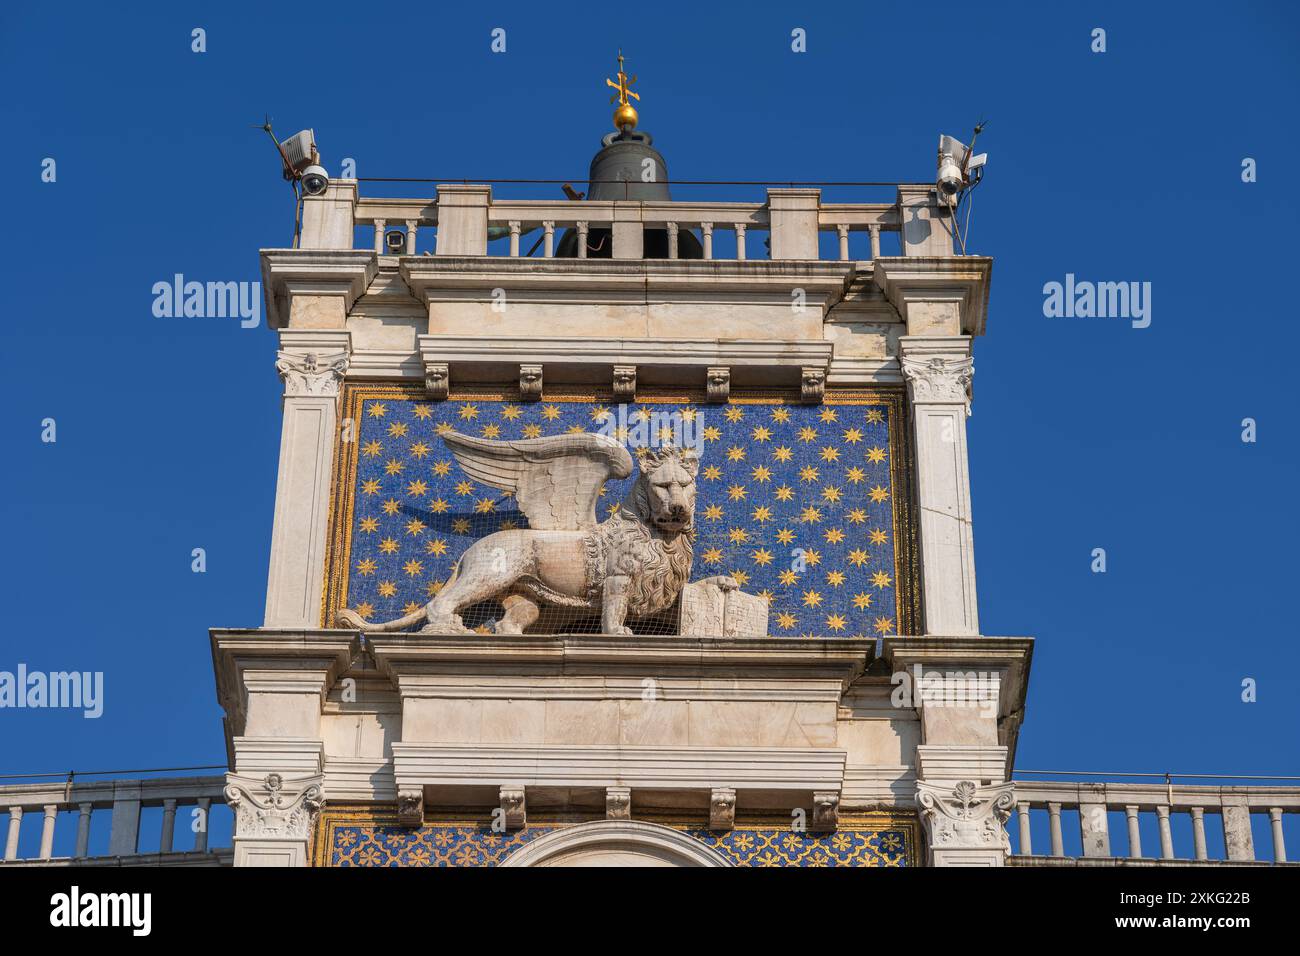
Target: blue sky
1086,433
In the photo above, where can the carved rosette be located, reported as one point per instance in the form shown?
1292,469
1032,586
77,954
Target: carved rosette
274,807
938,379
310,374
967,815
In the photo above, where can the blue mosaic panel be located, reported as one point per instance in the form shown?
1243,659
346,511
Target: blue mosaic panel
796,502
468,844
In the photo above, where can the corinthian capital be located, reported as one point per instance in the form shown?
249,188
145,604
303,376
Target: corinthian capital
311,374
939,379
274,806
967,815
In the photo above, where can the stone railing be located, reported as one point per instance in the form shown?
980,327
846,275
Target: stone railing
1161,822
468,220
74,806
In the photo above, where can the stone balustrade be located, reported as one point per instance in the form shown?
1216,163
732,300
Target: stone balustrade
1172,816
468,220
85,804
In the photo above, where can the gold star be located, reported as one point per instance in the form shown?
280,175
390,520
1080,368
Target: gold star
370,486
807,434
391,506
855,474
810,515
787,577
785,536
712,472
733,414
786,621
468,412
460,525
884,625
830,453
761,473
369,525
550,412
827,414
875,415
366,609
442,469
393,467
491,431
422,412
366,566
811,598
741,577
761,433
712,432
858,557
737,492
812,557
532,431
835,578
599,413
808,473
735,453
861,601
511,412
440,506
881,580
417,488
875,455
877,536
712,556
831,493
834,535
413,568
387,588
835,622
377,409
781,415
464,487
414,526
858,515
853,435
878,494
420,450
371,449
784,493
713,512
762,513
435,546
738,536
484,506
762,556
388,546
397,430
782,453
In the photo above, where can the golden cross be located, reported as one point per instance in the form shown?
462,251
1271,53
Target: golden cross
622,85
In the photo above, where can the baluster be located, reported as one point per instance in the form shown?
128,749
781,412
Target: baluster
1198,832
583,229
412,225
1279,842
1134,834
549,247
1054,814
1026,849
201,838
1166,835
707,229
83,830
15,824
514,237
47,830
740,241
672,240
380,225
844,242
168,826
875,241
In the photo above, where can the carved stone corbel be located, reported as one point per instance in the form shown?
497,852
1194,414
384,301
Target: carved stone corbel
826,810
722,809
410,806
274,807
625,383
311,374
718,382
618,803
437,380
530,383
966,816
813,381
514,813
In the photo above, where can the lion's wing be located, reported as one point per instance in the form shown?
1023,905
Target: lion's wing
556,480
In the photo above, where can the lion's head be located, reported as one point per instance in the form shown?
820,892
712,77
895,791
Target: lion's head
666,487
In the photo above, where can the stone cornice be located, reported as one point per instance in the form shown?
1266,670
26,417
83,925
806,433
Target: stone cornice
961,279
417,661
1011,656
306,661
286,272
590,281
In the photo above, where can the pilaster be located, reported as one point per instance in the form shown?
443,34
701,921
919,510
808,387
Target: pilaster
312,364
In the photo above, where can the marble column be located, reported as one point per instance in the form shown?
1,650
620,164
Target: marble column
938,370
312,363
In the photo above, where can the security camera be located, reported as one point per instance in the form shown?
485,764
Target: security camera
315,181
958,169
395,242
949,179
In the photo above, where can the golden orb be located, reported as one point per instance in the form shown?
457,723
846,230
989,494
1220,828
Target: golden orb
625,117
